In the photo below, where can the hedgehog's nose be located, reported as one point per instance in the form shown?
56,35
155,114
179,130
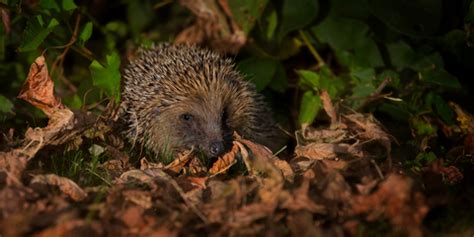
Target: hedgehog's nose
216,148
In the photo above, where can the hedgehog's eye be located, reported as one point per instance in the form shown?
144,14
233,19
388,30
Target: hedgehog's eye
186,117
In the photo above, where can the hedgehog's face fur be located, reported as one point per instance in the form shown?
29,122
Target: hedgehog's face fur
178,97
192,124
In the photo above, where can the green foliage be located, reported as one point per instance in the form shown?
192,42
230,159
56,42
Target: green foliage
401,59
107,77
36,32
297,14
259,71
6,105
247,12
309,108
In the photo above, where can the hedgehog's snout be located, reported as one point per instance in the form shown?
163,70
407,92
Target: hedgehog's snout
216,148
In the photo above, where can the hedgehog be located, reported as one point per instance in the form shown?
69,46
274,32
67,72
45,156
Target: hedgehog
181,97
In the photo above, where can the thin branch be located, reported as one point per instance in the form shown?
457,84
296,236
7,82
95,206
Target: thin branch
312,49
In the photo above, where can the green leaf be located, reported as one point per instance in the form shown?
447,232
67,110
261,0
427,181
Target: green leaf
68,5
280,81
310,106
414,18
247,12
6,105
441,107
258,70
35,34
50,5
398,111
309,78
422,127
341,33
401,54
442,78
367,54
107,77
272,20
139,14
297,14
85,33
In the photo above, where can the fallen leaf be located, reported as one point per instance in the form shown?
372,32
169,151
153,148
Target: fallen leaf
138,197
38,89
321,151
395,200
12,164
73,228
5,20
225,162
299,199
329,108
178,163
66,185
214,24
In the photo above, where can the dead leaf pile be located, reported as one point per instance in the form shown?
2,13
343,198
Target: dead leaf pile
336,182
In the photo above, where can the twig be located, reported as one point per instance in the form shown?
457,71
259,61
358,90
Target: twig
60,59
312,49
379,172
376,94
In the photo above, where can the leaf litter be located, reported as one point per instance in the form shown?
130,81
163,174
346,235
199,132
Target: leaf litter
334,183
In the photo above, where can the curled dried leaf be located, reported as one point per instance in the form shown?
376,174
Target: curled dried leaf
66,185
178,163
214,24
38,89
225,162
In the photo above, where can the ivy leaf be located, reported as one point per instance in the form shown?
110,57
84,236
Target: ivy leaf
441,107
35,33
309,108
297,14
280,81
85,33
6,105
258,70
107,77
247,12
442,78
309,78
68,5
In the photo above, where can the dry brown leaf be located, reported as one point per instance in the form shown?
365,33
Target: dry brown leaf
140,198
73,228
225,162
199,181
5,20
214,25
329,108
145,164
285,168
196,167
395,200
371,130
38,89
12,164
336,188
178,163
299,198
66,185
260,165
324,135
321,151
132,217
450,174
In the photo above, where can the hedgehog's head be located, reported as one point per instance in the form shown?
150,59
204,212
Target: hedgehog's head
193,122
